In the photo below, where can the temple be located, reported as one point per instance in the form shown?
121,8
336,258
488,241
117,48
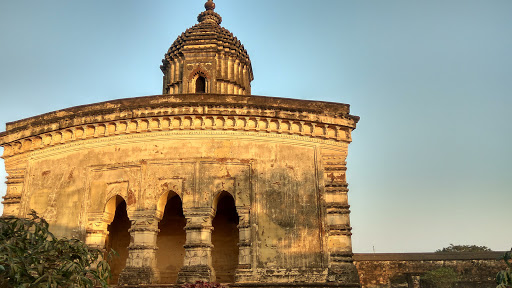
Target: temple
205,182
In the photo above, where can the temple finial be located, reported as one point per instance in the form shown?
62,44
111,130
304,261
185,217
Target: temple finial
209,5
209,16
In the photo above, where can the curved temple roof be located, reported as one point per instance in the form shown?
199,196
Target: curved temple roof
208,32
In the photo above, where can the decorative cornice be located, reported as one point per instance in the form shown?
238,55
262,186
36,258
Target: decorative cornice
181,104
253,125
171,135
11,200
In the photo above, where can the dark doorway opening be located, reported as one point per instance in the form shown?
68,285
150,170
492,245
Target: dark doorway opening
200,85
170,241
225,239
118,239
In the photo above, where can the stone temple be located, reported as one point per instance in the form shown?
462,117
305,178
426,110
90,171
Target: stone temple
204,182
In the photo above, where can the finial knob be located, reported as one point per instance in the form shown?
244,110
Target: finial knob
209,16
209,5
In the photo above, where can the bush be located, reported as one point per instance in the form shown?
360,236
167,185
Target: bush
504,278
441,278
31,256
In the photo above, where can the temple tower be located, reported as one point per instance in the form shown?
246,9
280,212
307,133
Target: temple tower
207,58
204,182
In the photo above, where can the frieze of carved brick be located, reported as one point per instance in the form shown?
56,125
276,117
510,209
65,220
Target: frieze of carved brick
337,208
197,245
186,122
293,275
142,247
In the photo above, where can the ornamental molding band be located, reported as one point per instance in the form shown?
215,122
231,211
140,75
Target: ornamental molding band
67,125
205,182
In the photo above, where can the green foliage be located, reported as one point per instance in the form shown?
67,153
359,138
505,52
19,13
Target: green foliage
464,248
441,277
31,256
504,278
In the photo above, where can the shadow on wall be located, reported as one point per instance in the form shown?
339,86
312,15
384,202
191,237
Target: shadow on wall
118,239
290,219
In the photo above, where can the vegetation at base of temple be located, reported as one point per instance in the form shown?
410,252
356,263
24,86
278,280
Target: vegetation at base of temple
443,277
31,256
464,248
504,278
201,284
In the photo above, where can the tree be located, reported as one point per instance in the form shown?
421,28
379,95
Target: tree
464,248
443,277
504,278
31,256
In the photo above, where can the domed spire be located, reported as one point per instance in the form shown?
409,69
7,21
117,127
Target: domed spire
209,15
207,58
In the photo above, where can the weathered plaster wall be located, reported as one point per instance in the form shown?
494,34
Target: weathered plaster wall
281,178
281,160
393,270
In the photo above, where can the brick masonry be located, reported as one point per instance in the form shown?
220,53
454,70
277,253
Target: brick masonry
390,270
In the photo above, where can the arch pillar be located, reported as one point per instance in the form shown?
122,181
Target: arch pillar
96,232
243,271
197,264
339,237
141,267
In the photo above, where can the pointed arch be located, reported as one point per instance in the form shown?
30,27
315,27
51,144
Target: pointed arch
225,237
111,206
200,84
171,238
199,79
118,237
162,201
221,194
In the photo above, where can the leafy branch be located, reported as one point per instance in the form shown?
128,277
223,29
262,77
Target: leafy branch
31,256
504,278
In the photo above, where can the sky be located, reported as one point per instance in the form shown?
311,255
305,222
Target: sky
430,161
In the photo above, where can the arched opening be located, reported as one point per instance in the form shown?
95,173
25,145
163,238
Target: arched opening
200,84
225,239
171,239
118,237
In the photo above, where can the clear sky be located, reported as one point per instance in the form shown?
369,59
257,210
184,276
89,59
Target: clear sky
431,159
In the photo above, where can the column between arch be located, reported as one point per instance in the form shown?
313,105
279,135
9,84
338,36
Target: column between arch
197,264
141,267
244,271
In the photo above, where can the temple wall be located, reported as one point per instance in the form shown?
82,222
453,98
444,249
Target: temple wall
279,180
281,162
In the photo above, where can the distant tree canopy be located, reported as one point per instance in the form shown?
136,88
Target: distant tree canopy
464,248
31,256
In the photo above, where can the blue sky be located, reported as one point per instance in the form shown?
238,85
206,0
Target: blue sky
430,162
